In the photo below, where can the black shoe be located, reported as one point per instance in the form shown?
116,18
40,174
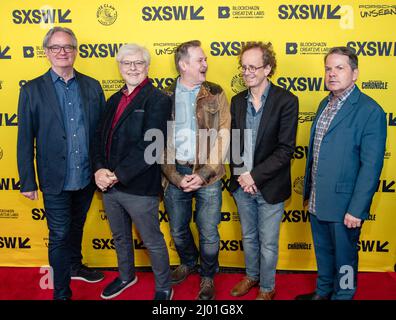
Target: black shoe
181,273
311,296
114,288
207,291
86,274
164,295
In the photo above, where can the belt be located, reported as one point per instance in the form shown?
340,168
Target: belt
185,163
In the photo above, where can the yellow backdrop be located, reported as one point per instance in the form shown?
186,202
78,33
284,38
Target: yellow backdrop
301,33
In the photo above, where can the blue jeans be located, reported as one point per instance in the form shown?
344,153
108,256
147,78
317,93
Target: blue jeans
335,248
208,202
123,210
66,213
260,223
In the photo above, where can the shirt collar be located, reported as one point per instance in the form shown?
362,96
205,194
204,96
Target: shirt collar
181,88
124,89
263,96
55,77
342,97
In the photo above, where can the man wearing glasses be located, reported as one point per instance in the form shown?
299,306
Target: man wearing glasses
58,114
130,178
266,116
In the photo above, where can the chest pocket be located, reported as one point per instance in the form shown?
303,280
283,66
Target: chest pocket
211,114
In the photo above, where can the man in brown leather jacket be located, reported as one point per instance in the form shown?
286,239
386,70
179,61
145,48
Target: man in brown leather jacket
197,145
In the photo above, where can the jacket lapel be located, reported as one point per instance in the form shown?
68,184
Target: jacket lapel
348,106
265,117
52,98
84,92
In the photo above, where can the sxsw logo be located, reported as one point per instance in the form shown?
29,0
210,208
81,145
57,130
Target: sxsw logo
8,120
38,214
99,50
9,184
373,246
295,216
373,48
231,245
224,12
162,83
229,48
163,216
14,243
304,11
300,152
301,83
108,244
169,13
4,52
37,16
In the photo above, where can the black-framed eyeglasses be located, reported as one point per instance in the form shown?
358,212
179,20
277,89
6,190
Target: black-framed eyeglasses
251,69
138,64
57,49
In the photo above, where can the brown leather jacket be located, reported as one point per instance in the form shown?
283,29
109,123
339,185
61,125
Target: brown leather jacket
212,114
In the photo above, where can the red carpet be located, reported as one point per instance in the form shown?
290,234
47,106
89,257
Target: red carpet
24,284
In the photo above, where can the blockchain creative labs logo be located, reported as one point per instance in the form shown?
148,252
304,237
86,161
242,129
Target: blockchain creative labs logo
298,185
304,48
106,14
33,51
374,85
237,83
377,10
165,48
112,85
8,214
240,12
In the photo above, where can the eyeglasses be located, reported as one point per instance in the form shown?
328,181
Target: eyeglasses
251,69
138,64
57,49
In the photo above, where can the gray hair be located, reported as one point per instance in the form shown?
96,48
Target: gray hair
52,31
133,48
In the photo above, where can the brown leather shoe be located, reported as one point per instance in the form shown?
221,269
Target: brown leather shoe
243,287
207,291
181,273
266,295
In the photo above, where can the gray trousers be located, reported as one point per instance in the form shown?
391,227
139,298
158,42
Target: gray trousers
123,209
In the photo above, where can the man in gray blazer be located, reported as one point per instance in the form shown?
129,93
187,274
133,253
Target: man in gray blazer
58,114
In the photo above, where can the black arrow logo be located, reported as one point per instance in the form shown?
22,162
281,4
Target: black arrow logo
23,244
62,17
195,14
381,246
392,121
3,53
331,14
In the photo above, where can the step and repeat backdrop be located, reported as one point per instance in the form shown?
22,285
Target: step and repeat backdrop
301,33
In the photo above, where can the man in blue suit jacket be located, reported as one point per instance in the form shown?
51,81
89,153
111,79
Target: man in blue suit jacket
345,158
58,114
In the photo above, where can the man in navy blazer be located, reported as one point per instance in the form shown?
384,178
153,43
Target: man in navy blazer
345,158
58,115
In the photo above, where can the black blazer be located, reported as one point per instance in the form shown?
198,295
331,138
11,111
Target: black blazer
276,139
150,109
40,123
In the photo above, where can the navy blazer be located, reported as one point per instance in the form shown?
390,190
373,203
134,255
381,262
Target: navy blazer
275,144
350,159
41,131
150,109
